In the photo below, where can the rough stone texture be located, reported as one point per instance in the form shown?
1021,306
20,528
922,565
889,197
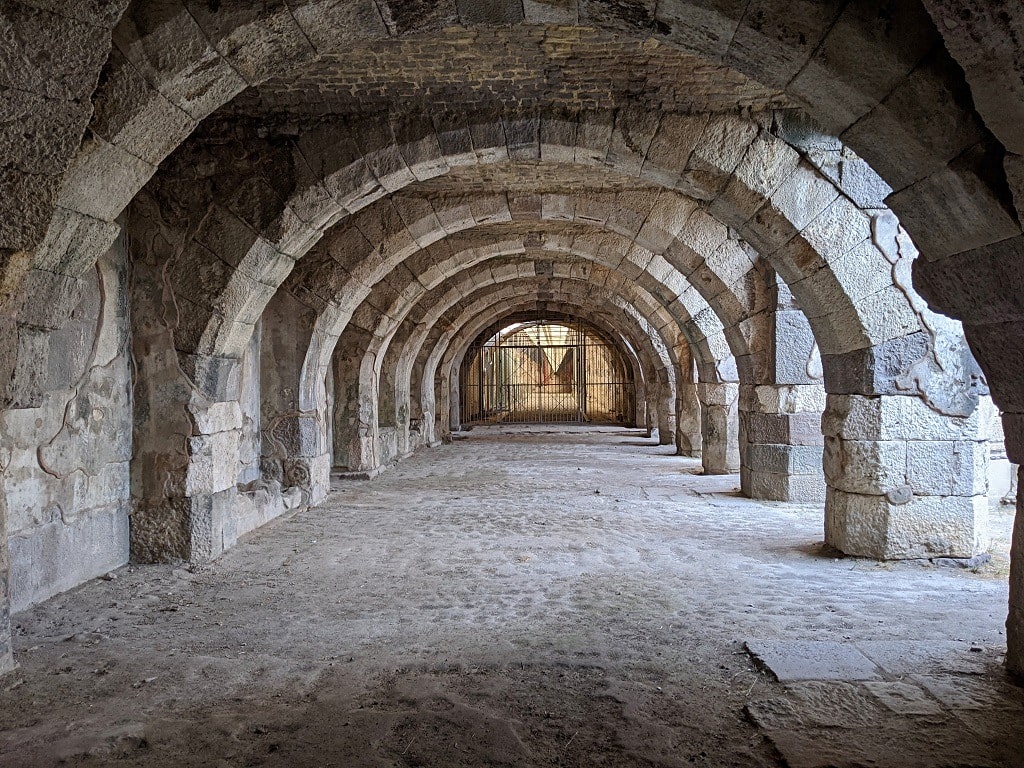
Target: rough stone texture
569,610
1015,619
904,480
343,170
720,450
66,462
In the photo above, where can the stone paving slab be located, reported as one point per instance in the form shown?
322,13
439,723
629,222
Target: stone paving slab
817,705
903,698
835,704
791,660
936,745
960,692
904,657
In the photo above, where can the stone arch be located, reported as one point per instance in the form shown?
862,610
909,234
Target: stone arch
644,309
371,355
576,294
946,162
707,335
743,175
843,277
480,308
223,52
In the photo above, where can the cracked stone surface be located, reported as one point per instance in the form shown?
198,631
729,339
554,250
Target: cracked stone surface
525,597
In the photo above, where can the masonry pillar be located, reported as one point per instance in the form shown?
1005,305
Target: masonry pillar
720,449
640,403
688,422
6,655
450,399
296,454
295,440
186,462
666,414
780,428
355,410
780,418
903,480
1013,429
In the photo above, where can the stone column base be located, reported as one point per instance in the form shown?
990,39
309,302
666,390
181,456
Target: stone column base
196,529
775,472
886,528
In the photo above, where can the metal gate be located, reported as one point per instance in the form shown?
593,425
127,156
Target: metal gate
546,372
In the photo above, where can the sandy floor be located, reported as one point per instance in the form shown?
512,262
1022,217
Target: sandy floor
520,597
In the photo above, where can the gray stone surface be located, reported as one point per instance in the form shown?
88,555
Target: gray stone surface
722,179
793,660
903,698
903,657
959,692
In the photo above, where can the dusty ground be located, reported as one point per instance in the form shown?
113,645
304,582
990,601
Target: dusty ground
528,599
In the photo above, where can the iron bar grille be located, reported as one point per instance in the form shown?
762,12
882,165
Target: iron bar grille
546,371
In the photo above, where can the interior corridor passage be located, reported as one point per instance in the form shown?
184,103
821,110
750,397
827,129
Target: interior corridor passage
546,371
527,596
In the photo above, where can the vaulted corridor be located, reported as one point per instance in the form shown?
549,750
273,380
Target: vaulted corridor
527,596
278,277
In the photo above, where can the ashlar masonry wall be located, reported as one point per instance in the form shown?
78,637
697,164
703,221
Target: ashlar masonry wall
66,462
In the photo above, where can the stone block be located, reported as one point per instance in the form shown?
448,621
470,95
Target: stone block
767,163
295,435
102,180
873,467
330,25
920,121
784,459
215,378
212,528
802,428
854,417
795,660
722,145
489,11
257,40
27,207
48,299
979,286
972,212
959,692
947,468
671,147
903,698
793,346
925,527
210,418
213,462
319,477
904,657
57,556
877,370
632,133
770,398
73,242
131,114
768,486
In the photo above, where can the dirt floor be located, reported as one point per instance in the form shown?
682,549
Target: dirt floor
526,598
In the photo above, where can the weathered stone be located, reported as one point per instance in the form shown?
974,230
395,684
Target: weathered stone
926,526
796,660
802,428
855,417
